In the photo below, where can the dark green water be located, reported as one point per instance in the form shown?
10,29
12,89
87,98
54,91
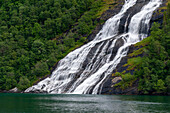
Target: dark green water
42,103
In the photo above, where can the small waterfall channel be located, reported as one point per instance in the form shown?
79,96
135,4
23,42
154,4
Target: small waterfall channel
84,70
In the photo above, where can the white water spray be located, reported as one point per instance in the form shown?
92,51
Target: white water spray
85,69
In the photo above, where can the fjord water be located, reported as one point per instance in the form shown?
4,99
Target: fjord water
62,103
84,70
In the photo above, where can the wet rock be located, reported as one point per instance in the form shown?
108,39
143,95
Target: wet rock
158,14
105,16
108,85
116,80
14,90
118,44
124,22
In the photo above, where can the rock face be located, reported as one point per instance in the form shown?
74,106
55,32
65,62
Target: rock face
105,16
108,86
14,90
158,14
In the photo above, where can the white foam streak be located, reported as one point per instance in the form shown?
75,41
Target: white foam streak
71,76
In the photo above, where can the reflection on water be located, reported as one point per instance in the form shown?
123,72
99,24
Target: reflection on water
41,103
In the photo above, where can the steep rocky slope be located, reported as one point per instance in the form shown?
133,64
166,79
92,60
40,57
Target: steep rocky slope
110,86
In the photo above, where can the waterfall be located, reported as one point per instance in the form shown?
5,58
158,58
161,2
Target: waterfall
84,70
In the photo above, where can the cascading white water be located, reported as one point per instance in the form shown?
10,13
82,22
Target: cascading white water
85,69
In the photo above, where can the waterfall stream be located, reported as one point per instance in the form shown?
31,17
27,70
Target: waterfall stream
84,70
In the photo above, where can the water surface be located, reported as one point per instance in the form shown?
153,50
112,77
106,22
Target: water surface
45,103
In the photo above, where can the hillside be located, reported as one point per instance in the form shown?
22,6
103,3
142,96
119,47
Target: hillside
146,69
35,35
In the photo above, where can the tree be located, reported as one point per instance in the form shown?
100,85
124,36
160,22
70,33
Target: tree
69,42
27,32
23,83
83,28
10,82
52,60
167,80
160,86
37,30
4,48
38,47
40,69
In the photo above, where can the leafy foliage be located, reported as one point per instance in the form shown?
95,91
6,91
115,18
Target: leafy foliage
29,31
154,71
23,83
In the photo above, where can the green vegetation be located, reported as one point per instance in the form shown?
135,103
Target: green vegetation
36,34
134,62
127,80
153,70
